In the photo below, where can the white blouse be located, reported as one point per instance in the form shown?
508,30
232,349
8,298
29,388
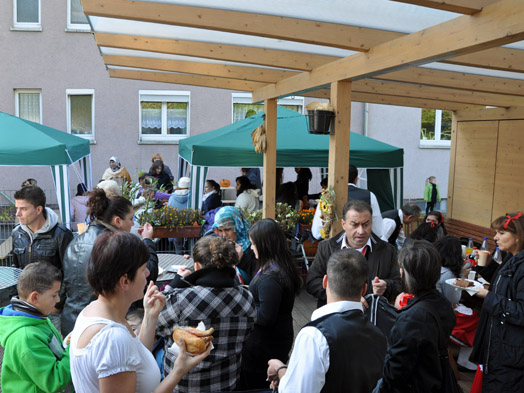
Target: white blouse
112,350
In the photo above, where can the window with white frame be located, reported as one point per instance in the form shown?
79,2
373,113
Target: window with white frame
164,115
27,14
435,128
76,19
242,106
28,105
81,112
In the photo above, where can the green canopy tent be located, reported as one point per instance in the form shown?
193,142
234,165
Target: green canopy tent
231,146
25,143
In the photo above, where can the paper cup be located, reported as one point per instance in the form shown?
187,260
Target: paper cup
483,257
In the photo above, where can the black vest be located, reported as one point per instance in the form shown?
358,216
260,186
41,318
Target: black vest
359,194
356,351
393,214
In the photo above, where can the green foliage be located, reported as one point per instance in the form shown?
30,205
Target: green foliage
7,214
170,217
285,216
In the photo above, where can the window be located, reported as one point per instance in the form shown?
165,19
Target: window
26,15
76,20
81,113
164,115
435,128
28,105
242,105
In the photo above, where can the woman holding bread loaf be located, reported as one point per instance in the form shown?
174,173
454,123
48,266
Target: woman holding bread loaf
106,356
499,342
209,295
273,287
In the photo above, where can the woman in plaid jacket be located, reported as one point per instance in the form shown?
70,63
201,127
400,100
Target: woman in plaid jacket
211,296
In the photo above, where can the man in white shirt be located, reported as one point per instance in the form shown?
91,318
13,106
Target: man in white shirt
339,350
355,193
394,221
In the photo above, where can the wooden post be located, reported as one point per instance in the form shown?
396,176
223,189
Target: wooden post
339,147
270,159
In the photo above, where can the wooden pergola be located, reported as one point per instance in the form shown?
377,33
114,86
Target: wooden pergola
438,54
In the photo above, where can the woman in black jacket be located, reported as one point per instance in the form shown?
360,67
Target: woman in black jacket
499,342
412,361
273,287
211,198
105,215
163,180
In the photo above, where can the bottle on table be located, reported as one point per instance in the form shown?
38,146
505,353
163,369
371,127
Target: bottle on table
484,246
471,258
497,256
469,249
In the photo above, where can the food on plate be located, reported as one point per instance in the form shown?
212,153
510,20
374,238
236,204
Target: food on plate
463,283
196,340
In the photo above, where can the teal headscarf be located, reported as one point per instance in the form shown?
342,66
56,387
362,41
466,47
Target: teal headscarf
231,218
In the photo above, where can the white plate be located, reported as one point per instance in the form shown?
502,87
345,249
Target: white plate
174,268
475,288
160,270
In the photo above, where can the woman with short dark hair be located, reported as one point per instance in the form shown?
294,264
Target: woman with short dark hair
274,287
106,356
413,359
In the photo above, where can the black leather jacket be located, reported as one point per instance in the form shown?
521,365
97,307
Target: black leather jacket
75,288
49,246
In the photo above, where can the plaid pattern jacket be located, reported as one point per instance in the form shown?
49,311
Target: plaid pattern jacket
230,311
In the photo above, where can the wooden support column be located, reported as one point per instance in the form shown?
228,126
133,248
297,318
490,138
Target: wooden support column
339,147
270,159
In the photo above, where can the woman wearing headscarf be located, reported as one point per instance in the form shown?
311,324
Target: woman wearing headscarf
231,224
116,171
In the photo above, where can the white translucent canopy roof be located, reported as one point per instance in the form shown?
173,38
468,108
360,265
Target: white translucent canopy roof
165,35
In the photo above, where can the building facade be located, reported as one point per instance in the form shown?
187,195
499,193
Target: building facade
53,73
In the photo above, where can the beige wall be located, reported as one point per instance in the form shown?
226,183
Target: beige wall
486,165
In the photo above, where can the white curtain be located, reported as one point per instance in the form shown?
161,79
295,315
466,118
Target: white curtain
29,106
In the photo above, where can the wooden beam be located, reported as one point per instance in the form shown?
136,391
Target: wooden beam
503,59
436,93
255,74
263,25
238,53
270,159
396,100
468,7
339,147
456,80
496,24
180,79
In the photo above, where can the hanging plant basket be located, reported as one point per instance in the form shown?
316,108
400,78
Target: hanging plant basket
320,121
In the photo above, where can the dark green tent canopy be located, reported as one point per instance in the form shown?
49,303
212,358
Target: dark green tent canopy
231,146
27,143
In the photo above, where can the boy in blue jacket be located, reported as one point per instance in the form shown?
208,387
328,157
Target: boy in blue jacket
34,359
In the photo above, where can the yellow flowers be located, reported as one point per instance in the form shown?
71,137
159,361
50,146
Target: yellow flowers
305,216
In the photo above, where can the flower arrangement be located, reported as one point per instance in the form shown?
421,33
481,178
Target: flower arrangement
171,218
328,211
285,216
305,216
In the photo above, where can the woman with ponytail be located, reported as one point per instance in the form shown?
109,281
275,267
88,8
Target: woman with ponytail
210,295
105,215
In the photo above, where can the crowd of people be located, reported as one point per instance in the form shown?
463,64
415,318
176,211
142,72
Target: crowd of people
91,315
